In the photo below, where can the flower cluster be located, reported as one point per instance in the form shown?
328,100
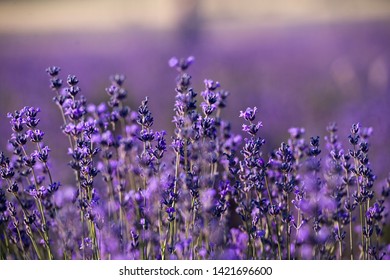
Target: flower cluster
206,193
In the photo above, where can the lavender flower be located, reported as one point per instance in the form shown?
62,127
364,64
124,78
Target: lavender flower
208,193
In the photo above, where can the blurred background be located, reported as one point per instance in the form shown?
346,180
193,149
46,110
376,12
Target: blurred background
303,63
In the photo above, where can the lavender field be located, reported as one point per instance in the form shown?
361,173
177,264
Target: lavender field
196,143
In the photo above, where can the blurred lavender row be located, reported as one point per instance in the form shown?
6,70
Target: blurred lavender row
300,76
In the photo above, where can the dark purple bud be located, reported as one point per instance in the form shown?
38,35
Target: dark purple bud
296,132
211,85
53,71
35,135
73,90
55,83
30,111
364,147
184,81
208,109
29,161
17,125
146,136
315,141
252,128
353,139
53,187
249,114
170,211
182,64
72,80
7,173
13,188
121,94
30,219
355,128
118,79
112,90
32,122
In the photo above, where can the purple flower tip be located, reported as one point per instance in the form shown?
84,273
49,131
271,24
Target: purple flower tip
296,132
173,62
181,64
249,114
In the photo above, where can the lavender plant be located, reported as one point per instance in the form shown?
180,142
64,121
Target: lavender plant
208,193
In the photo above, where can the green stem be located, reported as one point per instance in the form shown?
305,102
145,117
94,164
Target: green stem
5,245
274,218
288,229
29,233
360,205
40,208
172,227
340,241
350,225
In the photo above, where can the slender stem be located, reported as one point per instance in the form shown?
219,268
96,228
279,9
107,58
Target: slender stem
141,241
362,230
95,242
288,228
22,246
368,239
350,224
286,198
297,231
274,218
40,208
29,233
172,224
356,163
122,221
5,251
160,233
340,241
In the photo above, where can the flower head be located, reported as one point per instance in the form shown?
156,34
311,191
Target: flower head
181,64
249,114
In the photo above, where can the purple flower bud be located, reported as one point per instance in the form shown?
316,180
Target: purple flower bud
7,173
355,128
173,62
112,90
296,132
366,132
252,128
211,85
53,71
72,80
55,83
249,114
13,188
118,79
182,64
73,90
52,188
35,135
30,111
208,109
